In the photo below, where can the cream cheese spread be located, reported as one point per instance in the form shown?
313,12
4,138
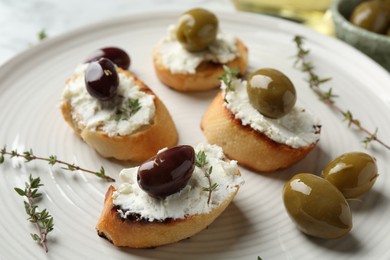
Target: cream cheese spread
296,129
178,60
191,200
103,115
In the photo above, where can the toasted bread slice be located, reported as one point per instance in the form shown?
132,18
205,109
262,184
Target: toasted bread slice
249,147
207,73
145,234
138,146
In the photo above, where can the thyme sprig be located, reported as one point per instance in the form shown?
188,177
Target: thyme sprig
227,78
131,107
29,156
42,220
201,162
328,97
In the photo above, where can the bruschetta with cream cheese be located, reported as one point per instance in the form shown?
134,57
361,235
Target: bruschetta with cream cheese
192,54
116,113
149,210
275,138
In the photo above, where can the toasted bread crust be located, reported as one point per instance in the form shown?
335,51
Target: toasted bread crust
207,73
249,147
136,147
143,234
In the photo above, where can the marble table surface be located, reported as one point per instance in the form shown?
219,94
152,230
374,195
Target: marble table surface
21,21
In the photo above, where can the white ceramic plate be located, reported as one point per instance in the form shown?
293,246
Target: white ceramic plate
256,223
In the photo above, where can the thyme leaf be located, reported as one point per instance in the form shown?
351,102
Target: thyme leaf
201,159
42,35
131,107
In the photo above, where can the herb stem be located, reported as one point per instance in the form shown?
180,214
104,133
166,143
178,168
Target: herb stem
209,198
209,189
42,220
370,135
328,97
34,219
227,78
29,156
201,162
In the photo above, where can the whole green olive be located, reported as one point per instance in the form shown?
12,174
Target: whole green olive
317,207
372,15
197,29
352,173
271,92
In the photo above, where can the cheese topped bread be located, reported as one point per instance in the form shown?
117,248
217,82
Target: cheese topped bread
131,125
132,217
259,142
192,54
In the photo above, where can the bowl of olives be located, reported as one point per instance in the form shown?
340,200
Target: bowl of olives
366,26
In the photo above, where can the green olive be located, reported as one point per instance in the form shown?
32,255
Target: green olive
372,15
271,92
197,29
352,173
317,207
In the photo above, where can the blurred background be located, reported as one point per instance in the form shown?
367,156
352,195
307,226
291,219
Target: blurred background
24,23
312,13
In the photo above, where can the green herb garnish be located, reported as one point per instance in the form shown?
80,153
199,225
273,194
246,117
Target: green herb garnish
227,78
328,97
42,220
201,162
42,35
28,155
131,107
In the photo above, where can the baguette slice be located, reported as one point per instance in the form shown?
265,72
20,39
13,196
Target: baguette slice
207,73
249,147
144,234
136,147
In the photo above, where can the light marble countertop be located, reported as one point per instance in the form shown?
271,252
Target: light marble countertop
21,21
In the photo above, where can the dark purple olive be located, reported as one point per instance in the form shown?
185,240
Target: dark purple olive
116,55
167,172
102,79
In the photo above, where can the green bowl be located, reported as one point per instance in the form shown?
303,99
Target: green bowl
375,45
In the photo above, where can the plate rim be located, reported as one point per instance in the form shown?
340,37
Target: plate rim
305,31
256,17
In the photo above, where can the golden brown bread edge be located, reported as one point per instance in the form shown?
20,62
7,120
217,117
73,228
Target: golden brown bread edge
207,73
136,147
144,234
250,148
